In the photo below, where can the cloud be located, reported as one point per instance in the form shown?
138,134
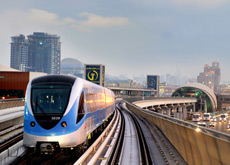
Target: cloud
33,18
18,21
94,20
207,4
43,17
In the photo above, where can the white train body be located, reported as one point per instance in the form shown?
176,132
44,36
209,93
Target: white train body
63,110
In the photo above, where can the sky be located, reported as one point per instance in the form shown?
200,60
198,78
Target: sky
129,37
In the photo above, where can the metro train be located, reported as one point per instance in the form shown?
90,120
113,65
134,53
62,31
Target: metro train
62,111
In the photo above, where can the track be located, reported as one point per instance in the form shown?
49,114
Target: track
152,147
160,149
10,136
105,148
138,143
32,157
117,151
10,142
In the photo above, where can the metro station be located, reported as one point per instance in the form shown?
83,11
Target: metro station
206,99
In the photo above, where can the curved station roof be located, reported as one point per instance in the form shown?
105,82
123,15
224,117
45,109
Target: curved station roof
197,89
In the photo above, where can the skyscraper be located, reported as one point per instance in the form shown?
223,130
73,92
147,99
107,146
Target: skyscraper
211,76
19,53
43,53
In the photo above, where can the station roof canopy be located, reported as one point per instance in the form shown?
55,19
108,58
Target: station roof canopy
204,89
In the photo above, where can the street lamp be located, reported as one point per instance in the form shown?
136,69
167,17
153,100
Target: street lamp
198,129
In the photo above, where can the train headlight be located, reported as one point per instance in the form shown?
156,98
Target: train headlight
32,124
64,124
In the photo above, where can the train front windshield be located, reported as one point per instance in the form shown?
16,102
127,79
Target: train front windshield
50,99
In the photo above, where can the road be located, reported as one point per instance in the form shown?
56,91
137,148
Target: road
219,126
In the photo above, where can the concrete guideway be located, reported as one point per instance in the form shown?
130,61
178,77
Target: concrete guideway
5,104
165,101
11,125
130,147
177,106
197,145
161,151
11,116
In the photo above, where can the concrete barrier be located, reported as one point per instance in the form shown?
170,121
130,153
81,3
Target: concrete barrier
4,105
195,147
12,153
11,116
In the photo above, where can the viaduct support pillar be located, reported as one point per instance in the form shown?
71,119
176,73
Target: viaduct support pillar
194,107
168,110
180,112
184,113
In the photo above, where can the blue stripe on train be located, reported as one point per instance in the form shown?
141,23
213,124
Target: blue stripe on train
70,118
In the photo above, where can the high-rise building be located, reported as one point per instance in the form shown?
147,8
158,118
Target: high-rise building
211,76
19,53
41,53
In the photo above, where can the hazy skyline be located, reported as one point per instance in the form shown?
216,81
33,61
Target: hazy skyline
131,37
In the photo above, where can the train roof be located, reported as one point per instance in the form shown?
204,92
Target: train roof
67,79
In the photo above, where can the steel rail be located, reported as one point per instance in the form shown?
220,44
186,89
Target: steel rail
105,142
11,142
117,151
142,144
103,139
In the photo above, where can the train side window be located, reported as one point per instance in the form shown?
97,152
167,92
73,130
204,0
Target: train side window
81,110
